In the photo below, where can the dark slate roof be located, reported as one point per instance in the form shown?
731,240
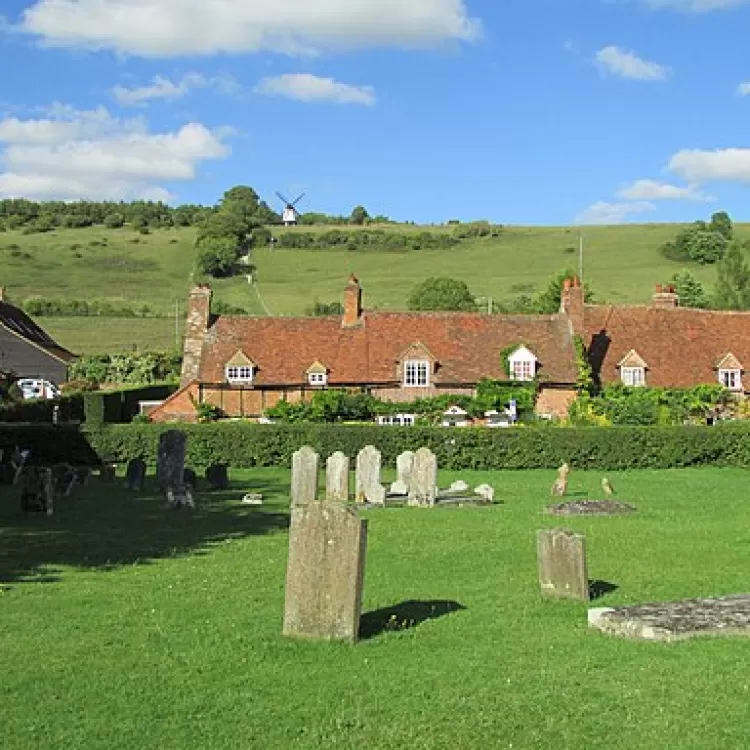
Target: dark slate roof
19,323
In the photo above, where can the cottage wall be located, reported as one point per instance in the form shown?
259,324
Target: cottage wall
29,361
555,401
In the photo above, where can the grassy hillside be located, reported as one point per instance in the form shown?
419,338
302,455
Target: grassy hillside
621,263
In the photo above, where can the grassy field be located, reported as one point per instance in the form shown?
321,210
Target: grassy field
622,264
126,625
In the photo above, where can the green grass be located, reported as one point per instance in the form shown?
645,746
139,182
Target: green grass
127,625
622,264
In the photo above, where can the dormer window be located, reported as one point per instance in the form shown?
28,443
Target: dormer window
522,364
240,369
317,375
633,370
730,373
417,373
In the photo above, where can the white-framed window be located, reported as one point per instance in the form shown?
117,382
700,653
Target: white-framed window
522,369
731,379
239,373
396,420
317,378
635,376
417,373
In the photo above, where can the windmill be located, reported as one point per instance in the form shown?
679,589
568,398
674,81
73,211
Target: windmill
290,213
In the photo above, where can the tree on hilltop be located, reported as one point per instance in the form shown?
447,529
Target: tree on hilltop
442,293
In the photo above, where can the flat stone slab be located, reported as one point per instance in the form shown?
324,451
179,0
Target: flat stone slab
590,508
449,500
675,621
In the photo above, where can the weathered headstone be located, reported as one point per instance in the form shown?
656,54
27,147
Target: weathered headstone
337,478
560,487
485,491
325,572
108,472
180,496
423,489
369,488
135,475
561,559
305,463
404,465
189,477
217,477
607,487
63,479
37,492
170,459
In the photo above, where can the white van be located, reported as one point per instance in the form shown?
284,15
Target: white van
36,388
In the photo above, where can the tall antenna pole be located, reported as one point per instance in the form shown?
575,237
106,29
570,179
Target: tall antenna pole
580,257
177,325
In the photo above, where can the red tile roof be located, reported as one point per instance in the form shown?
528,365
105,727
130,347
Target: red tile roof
680,346
466,346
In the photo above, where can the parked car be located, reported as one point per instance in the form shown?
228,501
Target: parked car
36,388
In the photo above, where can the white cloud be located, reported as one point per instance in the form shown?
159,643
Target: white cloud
75,154
167,28
162,88
305,87
650,190
695,6
612,213
743,89
626,64
723,165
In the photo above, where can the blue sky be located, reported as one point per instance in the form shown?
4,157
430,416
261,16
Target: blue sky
518,111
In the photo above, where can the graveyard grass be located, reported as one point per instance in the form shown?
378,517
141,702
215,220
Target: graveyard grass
126,625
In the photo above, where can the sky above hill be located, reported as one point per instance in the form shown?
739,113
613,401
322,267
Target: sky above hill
519,111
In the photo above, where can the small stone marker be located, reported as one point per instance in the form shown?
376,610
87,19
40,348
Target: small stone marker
404,466
304,476
460,486
607,487
337,478
63,480
135,475
369,488
180,496
253,498
170,459
561,558
560,487
423,489
217,477
325,572
485,491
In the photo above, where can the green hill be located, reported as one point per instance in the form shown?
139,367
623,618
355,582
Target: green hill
622,264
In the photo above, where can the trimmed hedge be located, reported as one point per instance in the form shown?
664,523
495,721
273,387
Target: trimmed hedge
102,407
243,445
48,444
40,410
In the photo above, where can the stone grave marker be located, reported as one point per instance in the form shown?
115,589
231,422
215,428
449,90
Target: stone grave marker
189,477
180,496
305,463
325,572
135,474
337,478
404,466
217,476
170,459
423,489
561,559
37,491
108,472
369,488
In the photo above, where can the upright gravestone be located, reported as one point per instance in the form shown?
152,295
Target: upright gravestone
337,478
305,463
423,489
170,459
325,572
561,558
217,476
135,475
369,488
404,465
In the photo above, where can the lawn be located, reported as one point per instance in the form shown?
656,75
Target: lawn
126,625
622,265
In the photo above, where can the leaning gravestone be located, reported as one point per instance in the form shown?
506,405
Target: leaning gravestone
369,488
135,475
337,478
217,477
325,572
423,489
561,559
304,476
404,466
170,459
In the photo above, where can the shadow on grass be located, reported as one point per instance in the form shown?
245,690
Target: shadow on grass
104,526
404,616
598,589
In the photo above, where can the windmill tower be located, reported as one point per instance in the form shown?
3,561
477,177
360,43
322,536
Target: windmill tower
290,213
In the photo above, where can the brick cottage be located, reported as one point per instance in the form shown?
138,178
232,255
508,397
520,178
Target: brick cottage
245,365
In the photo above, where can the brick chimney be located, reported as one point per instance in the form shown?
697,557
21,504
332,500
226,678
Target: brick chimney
196,325
352,304
571,304
665,298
